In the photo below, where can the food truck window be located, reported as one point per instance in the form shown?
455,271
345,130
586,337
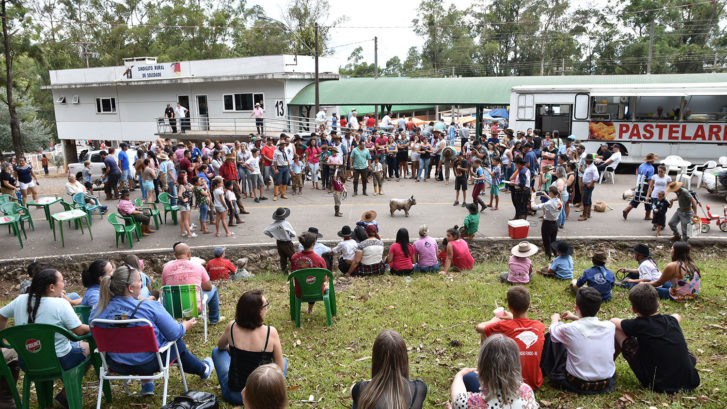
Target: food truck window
705,108
612,108
658,108
525,106
581,109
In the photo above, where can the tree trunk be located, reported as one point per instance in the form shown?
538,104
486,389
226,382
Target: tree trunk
14,123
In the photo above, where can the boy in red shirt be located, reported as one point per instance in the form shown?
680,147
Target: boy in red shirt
219,268
307,259
528,334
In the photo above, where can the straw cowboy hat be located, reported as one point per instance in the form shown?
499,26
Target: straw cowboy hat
163,156
524,249
230,156
281,213
368,216
333,149
650,157
673,187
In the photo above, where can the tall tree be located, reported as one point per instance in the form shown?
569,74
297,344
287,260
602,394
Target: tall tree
301,17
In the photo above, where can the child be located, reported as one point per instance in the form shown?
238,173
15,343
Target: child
378,171
283,234
86,176
347,248
230,200
338,189
528,334
218,195
495,187
297,168
478,174
442,255
597,277
520,266
660,209
325,169
255,177
471,222
654,346
562,266
202,198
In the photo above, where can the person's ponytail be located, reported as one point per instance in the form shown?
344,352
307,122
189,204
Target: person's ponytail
105,295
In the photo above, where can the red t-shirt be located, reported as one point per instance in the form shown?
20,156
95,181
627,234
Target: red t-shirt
400,261
381,141
267,151
371,122
343,122
305,259
529,336
219,269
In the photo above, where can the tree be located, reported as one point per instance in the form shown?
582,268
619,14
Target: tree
301,17
393,67
35,132
356,66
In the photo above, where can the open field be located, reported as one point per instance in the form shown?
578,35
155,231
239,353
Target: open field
431,312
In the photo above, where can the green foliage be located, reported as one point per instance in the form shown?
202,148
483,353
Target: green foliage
34,131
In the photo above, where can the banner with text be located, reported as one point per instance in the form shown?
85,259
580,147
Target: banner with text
153,71
657,132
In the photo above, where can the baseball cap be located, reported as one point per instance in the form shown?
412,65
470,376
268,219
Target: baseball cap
219,251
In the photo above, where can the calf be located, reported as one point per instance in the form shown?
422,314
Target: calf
401,204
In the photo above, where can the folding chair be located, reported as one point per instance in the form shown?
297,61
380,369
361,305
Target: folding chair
180,301
310,281
128,337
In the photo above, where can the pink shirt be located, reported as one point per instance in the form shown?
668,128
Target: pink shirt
258,112
125,207
335,160
426,248
314,154
520,268
179,154
461,257
181,272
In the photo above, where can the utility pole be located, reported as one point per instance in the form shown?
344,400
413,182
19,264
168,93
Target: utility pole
651,46
376,72
318,102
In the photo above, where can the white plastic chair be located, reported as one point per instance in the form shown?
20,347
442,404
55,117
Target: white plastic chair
699,173
611,174
722,161
117,336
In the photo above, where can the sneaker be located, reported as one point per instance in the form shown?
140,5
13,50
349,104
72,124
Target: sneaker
257,200
192,227
210,367
147,389
184,234
456,202
193,235
263,198
464,204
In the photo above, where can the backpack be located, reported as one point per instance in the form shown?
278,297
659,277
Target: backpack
193,400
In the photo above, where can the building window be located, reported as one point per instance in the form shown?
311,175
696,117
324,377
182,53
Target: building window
525,106
241,102
105,105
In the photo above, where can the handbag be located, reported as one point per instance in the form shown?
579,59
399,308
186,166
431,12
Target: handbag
193,400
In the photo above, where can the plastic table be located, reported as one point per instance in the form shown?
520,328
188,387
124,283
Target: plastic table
45,202
12,220
67,216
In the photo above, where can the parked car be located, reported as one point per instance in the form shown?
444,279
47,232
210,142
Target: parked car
97,166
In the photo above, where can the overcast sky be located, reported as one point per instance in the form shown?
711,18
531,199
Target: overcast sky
392,42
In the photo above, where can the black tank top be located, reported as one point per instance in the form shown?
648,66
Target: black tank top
242,362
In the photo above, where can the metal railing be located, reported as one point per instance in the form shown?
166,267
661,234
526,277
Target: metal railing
234,126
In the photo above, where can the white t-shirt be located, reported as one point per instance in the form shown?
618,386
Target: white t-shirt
386,121
660,184
52,310
649,270
254,163
347,248
590,347
180,111
616,158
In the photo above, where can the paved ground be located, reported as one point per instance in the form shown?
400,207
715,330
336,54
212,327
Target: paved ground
315,208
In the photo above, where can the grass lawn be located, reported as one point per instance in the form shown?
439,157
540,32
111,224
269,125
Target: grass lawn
432,312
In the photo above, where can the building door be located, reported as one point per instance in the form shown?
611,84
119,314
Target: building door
203,113
553,117
183,100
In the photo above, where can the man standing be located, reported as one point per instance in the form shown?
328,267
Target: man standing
321,117
124,166
687,208
258,114
183,271
590,177
169,175
112,174
181,113
361,163
461,170
644,182
464,136
228,171
281,168
169,114
267,152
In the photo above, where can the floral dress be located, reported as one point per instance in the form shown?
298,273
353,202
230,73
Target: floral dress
478,400
687,288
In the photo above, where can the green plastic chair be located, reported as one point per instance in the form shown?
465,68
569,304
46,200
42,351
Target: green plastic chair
164,199
35,346
180,301
79,200
6,198
83,312
7,374
20,210
67,207
310,281
151,206
123,230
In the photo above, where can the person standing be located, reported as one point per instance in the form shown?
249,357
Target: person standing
228,171
283,234
259,118
644,185
461,169
590,177
551,210
267,152
124,166
44,163
520,189
171,117
687,207
28,180
313,157
181,113
112,172
281,168
361,163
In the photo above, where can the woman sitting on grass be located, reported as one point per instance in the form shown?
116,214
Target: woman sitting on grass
500,376
402,256
245,345
458,253
682,273
389,387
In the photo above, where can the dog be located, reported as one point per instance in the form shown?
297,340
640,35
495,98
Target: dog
401,204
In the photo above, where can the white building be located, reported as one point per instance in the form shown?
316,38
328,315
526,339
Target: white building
126,102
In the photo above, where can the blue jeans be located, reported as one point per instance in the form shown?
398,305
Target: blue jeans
141,186
427,269
586,195
471,382
423,167
281,178
221,358
561,218
663,291
203,210
72,358
191,364
172,191
213,305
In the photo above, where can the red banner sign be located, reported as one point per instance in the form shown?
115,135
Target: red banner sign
658,132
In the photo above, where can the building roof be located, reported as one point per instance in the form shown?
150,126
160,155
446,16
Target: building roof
465,91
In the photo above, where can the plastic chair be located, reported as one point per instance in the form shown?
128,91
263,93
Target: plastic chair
7,374
123,230
5,198
20,210
83,312
164,199
722,161
310,281
152,207
79,200
698,171
130,221
180,301
117,336
35,346
611,174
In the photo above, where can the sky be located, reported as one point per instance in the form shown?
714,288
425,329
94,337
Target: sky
368,13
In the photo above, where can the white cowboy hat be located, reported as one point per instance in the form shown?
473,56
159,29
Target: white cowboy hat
524,249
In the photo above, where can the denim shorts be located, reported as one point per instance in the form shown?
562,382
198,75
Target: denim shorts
184,207
125,175
72,358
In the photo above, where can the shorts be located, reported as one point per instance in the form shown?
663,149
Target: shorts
220,208
125,175
378,179
25,186
184,207
256,180
297,180
402,156
337,198
72,358
148,185
495,190
114,180
460,183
